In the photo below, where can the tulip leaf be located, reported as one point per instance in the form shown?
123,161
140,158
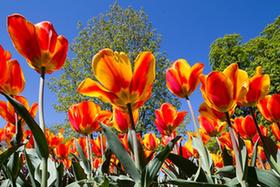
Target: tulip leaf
117,148
39,136
254,155
152,168
262,177
31,169
182,182
6,154
244,158
106,164
59,174
82,158
78,171
187,167
169,173
226,170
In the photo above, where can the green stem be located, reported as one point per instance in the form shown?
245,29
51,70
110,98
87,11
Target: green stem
192,115
101,144
235,149
134,138
44,179
89,151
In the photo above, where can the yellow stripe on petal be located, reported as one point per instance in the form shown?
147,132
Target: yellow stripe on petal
112,69
92,88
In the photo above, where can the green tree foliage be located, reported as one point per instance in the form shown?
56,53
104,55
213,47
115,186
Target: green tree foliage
264,50
120,29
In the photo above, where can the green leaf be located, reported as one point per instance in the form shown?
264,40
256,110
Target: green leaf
226,170
82,158
185,165
244,158
31,169
78,171
117,148
182,182
39,136
6,154
106,164
262,177
152,168
59,175
254,155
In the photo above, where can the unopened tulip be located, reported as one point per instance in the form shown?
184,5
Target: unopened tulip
245,127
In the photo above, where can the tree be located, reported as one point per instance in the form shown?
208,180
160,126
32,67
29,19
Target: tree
264,50
120,29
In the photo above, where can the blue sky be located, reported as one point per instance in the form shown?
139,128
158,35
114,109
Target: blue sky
187,28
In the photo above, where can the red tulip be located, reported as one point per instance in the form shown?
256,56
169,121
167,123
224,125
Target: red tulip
212,127
276,131
269,107
245,127
121,119
44,50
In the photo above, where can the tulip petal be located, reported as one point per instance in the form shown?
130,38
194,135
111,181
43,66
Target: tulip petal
173,82
92,88
23,34
193,81
112,70
273,106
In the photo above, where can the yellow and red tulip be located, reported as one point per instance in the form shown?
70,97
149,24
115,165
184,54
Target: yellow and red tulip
222,90
212,127
7,111
117,83
259,86
168,118
225,140
150,142
182,79
187,150
205,110
85,117
245,127
4,57
96,146
269,107
218,160
276,131
121,119
54,140
44,50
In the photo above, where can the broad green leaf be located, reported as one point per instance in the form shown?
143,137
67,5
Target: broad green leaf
152,168
78,171
6,154
31,169
182,182
254,155
59,175
226,170
38,135
244,158
262,177
117,148
106,164
185,165
82,158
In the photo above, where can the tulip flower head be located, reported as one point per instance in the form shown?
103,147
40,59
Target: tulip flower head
212,127
258,88
182,79
269,107
117,83
276,131
44,50
150,142
121,119
218,160
85,117
222,90
245,127
4,57
168,118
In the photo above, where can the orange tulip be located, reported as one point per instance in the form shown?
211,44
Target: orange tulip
205,110
7,133
43,49
222,90
53,139
225,140
96,146
168,119
218,160
150,142
7,111
187,150
182,79
258,88
116,82
269,107
4,57
276,131
85,117
250,147
121,120
245,127
211,126
27,135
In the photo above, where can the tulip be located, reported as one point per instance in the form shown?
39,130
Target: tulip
258,88
269,107
168,118
225,140
205,110
116,83
85,117
150,142
97,146
222,90
4,57
218,160
276,131
121,120
7,111
187,150
44,50
182,79
211,126
245,127
54,140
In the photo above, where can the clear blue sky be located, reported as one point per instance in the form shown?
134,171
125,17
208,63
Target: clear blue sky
187,28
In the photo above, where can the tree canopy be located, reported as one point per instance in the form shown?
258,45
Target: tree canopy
121,29
264,50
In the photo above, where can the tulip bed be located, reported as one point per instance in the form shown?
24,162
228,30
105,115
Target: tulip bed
109,151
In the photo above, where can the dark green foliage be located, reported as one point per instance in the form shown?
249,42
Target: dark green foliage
120,29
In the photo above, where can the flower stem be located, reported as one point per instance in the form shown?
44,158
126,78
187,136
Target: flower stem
89,151
192,115
134,137
101,144
44,179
